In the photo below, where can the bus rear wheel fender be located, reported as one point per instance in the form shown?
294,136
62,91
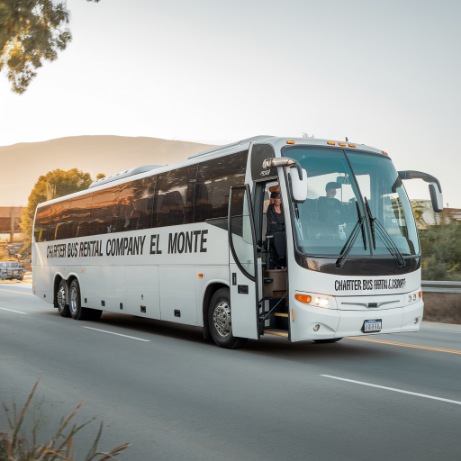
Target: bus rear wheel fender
62,298
220,321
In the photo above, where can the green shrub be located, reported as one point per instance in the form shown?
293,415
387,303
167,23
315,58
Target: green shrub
441,248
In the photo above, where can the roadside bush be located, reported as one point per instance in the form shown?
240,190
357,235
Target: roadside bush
441,247
14,446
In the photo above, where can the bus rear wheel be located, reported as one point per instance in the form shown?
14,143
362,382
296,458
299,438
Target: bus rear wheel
220,321
78,312
75,306
61,299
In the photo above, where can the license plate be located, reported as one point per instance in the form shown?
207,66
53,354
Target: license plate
372,326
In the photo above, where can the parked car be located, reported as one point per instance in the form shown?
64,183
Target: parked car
10,270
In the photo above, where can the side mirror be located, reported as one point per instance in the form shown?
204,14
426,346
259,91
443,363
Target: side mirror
435,190
436,197
299,185
298,176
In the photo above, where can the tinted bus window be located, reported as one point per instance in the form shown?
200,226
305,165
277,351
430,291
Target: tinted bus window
135,204
79,216
42,230
216,177
171,198
182,196
59,222
103,216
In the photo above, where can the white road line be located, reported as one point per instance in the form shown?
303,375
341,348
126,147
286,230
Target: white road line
393,389
17,292
118,334
12,310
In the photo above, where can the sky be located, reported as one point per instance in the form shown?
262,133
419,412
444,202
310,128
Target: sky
381,73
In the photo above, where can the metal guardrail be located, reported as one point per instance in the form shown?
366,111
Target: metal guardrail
431,286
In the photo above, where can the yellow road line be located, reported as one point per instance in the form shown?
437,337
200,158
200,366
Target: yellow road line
411,346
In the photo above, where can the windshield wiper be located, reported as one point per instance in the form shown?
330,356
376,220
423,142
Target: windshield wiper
346,249
391,247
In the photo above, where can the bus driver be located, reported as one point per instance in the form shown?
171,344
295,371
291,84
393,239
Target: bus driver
330,209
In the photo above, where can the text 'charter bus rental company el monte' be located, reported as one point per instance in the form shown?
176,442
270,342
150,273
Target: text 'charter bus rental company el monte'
194,243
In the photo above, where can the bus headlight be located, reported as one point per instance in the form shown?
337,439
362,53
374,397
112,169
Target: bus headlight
322,302
415,296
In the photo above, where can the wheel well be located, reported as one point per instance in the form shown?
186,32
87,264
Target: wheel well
57,281
211,289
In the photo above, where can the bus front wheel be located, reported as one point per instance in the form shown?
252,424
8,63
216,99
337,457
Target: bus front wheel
220,321
62,299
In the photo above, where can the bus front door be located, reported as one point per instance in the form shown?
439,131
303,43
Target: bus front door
244,265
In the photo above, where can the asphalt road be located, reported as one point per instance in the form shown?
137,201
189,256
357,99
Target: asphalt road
174,396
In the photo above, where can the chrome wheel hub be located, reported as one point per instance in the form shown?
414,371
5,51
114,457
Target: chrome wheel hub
222,319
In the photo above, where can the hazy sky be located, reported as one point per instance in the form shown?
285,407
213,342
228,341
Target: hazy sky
383,73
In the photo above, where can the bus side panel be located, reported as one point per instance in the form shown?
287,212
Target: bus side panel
177,297
42,283
143,291
102,287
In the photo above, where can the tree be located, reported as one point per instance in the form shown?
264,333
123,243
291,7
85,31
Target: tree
31,31
418,213
54,184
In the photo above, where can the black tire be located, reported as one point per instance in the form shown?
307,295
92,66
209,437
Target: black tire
220,321
77,312
62,299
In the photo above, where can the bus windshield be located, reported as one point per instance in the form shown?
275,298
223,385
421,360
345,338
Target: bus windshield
356,206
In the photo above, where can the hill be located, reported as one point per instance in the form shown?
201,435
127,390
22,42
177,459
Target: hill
22,164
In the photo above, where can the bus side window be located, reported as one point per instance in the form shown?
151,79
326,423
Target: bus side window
172,210
202,208
142,213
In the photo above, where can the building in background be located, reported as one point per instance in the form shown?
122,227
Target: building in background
425,216
10,217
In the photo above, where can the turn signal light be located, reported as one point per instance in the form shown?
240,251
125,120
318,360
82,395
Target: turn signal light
302,298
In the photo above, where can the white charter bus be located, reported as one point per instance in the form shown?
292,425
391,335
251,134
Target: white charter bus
188,243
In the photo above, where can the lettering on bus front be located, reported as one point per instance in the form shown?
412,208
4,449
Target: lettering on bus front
194,241
370,284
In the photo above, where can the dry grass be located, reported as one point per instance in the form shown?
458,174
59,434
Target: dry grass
442,307
14,446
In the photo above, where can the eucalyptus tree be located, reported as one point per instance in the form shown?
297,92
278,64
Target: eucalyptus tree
31,32
53,184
